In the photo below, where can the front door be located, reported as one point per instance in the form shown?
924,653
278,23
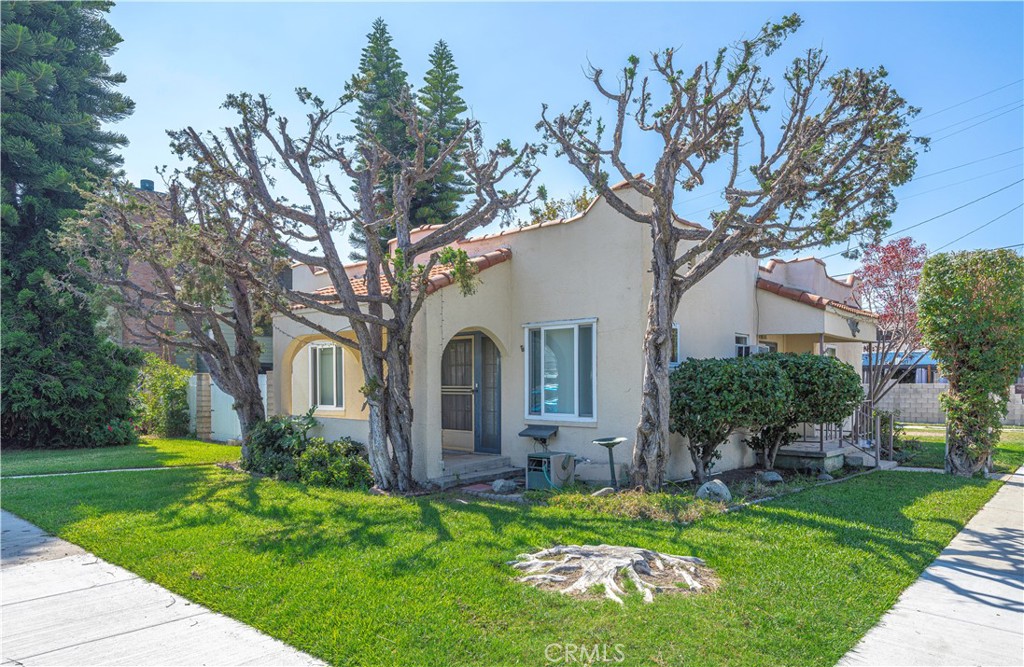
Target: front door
471,395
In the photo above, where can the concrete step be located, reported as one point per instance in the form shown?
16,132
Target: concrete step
474,464
447,481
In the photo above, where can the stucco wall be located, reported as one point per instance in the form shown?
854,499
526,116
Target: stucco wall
919,403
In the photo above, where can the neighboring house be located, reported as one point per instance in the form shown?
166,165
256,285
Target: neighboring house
917,367
553,336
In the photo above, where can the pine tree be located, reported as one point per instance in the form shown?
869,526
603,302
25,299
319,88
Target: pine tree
441,108
381,87
62,384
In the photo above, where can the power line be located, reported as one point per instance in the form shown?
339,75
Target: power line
979,227
940,215
970,118
967,164
980,122
976,97
966,180
1005,247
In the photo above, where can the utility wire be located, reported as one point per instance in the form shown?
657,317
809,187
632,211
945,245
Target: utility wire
966,180
1005,247
940,215
970,118
967,164
976,97
978,228
980,122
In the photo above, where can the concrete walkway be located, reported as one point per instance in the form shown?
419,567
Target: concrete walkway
64,606
968,606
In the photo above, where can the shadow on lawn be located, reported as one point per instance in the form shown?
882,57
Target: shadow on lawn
872,515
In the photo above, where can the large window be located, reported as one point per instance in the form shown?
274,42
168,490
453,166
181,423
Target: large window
560,360
325,376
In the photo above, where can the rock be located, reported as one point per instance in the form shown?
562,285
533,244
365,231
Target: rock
714,490
769,477
606,491
503,486
825,477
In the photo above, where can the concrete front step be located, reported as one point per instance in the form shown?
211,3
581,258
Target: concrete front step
471,464
449,480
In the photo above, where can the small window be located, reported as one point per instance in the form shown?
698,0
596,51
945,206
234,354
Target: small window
771,345
326,376
830,351
677,353
560,371
742,345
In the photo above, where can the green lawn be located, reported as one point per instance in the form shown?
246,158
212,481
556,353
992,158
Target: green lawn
150,453
358,579
1009,455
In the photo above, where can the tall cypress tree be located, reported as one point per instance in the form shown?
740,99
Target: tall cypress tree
441,108
62,385
380,87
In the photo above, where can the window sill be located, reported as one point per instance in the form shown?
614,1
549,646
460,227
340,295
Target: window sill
562,421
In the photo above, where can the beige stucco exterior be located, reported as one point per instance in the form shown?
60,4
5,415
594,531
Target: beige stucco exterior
594,268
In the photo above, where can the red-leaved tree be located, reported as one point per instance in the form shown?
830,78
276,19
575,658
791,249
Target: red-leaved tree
889,279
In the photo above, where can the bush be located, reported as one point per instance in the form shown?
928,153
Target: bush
971,308
339,464
273,445
902,449
118,432
824,390
162,398
712,398
281,447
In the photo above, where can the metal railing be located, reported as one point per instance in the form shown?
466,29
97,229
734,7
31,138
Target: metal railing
863,429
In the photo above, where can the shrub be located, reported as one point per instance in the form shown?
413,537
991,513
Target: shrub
339,464
971,312
824,390
162,398
117,432
273,445
712,398
902,448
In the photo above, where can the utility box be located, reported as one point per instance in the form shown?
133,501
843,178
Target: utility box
549,470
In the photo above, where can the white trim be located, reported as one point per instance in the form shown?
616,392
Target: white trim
561,324
558,323
677,351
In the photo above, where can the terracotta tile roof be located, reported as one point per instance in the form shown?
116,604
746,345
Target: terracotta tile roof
439,276
803,296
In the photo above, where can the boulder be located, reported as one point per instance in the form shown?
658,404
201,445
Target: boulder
769,477
503,486
825,477
606,491
714,490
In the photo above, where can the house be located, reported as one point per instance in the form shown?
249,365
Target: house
553,336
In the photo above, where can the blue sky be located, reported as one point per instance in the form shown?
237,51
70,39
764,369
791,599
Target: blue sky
181,59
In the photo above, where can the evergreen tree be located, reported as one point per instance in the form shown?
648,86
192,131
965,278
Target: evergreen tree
441,108
381,87
62,385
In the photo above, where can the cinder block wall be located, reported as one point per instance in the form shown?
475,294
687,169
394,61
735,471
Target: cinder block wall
204,427
920,403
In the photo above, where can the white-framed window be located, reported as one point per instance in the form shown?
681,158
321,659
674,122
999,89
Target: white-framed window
676,357
326,376
830,351
561,362
742,345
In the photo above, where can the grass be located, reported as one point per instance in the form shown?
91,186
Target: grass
358,579
150,453
678,504
1008,456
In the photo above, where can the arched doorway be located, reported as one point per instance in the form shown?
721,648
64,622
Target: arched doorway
471,394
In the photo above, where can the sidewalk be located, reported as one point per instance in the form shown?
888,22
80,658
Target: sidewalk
968,606
64,606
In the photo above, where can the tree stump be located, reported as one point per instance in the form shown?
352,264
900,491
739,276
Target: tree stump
580,570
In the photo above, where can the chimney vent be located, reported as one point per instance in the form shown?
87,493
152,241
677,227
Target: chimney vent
147,185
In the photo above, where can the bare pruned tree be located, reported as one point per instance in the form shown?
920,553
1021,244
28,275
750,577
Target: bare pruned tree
168,265
381,300
826,175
